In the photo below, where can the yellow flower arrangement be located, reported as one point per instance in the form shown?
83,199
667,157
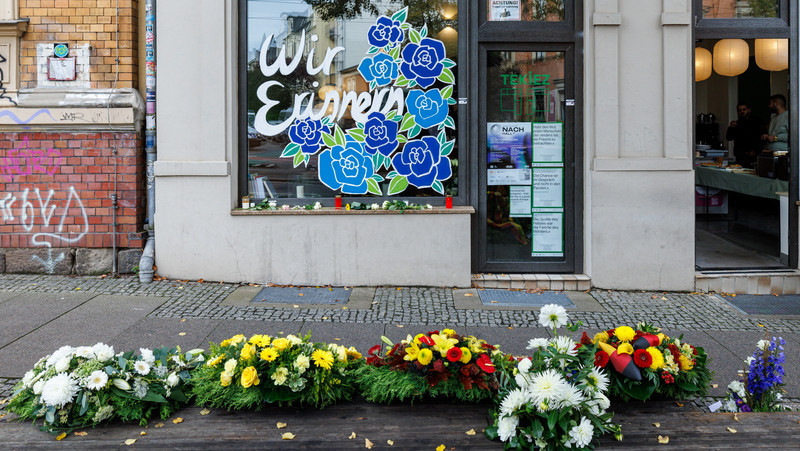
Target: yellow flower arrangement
685,363
425,356
230,366
353,354
412,351
250,377
269,354
260,340
600,337
661,338
322,359
625,333
225,379
442,343
281,343
234,340
216,360
658,358
449,333
248,351
466,356
417,338
625,348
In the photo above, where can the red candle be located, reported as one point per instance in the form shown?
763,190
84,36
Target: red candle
448,202
338,203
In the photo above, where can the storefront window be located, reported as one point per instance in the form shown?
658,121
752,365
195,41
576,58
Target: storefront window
349,97
526,10
733,9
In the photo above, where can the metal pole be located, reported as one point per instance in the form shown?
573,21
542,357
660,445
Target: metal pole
147,262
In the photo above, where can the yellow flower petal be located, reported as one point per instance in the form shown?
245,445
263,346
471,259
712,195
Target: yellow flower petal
143,433
61,436
471,432
663,439
205,412
280,425
352,436
288,436
367,443
440,448
81,433
731,430
130,441
178,420
159,425
390,442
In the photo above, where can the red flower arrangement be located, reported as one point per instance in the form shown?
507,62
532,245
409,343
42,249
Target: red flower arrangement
601,359
454,354
642,358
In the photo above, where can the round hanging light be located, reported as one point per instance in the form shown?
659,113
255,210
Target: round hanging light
731,57
772,54
702,64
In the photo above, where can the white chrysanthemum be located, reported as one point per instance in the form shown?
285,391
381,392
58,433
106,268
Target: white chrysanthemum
302,363
523,379
147,356
571,396
597,380
538,343
59,390
27,378
85,352
524,365
230,366
736,387
552,315
37,387
581,435
730,406
142,367
547,385
602,401
173,379
60,353
97,380
507,427
280,375
63,365
564,345
514,400
103,352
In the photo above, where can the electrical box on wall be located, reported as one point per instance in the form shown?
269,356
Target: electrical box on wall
61,69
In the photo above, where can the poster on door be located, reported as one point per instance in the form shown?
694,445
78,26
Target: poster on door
502,10
548,234
509,153
548,144
548,188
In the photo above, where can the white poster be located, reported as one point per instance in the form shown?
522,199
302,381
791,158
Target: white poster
520,202
504,10
508,177
548,188
548,143
548,234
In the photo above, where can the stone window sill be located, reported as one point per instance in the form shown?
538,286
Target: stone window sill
332,211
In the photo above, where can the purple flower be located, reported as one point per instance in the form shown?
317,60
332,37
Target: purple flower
381,135
308,133
423,62
421,162
386,32
381,69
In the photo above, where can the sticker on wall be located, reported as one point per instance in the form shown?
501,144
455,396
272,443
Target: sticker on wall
61,50
404,133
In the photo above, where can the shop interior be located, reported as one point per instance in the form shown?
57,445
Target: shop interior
742,161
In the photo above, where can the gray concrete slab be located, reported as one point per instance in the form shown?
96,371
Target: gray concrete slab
97,320
8,295
360,298
511,341
25,312
723,362
362,336
228,328
159,332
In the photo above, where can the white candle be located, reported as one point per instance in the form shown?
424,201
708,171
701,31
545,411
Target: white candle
301,192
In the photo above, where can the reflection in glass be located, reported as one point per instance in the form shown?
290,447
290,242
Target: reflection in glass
732,9
525,10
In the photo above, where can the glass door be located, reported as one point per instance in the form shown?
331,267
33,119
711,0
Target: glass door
526,159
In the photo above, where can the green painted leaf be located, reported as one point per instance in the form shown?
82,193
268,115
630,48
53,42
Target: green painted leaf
447,92
451,101
413,36
290,150
401,15
408,122
326,120
398,185
357,134
377,178
447,76
306,159
441,137
377,161
360,125
373,187
405,26
372,85
338,135
447,148
414,131
402,139
395,53
372,50
391,114
298,159
424,31
437,186
392,175
328,139
448,63
449,123
412,83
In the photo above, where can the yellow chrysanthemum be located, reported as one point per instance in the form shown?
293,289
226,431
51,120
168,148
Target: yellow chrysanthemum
685,363
269,354
412,351
248,351
225,379
255,338
442,343
425,356
600,337
216,360
658,358
353,354
466,356
625,333
322,359
625,348
449,332
281,343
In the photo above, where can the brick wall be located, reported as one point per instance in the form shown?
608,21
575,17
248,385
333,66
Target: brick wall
74,176
81,22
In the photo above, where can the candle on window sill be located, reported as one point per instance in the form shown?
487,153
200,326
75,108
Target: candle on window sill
338,202
301,191
448,202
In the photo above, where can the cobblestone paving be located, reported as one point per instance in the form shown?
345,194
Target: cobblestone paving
6,390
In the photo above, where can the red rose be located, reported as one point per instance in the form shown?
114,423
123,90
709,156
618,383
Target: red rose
454,354
601,359
485,363
426,340
642,358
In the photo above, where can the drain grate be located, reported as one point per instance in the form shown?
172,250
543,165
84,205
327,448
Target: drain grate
524,299
293,295
751,304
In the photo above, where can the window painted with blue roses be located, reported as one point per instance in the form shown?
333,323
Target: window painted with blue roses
351,97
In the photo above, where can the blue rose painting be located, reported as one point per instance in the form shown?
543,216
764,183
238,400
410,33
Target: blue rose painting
428,107
381,69
381,135
421,162
346,168
386,32
423,62
308,134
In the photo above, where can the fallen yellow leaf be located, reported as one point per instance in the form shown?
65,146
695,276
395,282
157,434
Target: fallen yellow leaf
352,436
469,295
81,433
471,432
658,425
714,385
663,440
3,401
143,433
61,436
178,420
205,412
679,404
182,334
367,443
731,430
390,442
440,448
295,306
130,441
280,425
159,425
301,294
736,418
324,317
663,298
344,308
510,328
183,320
493,302
288,436
400,326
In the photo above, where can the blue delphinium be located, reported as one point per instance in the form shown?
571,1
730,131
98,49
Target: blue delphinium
760,388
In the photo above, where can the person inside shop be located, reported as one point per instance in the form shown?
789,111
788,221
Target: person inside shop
777,137
499,218
745,132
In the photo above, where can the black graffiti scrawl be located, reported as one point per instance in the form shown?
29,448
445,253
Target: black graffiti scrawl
3,91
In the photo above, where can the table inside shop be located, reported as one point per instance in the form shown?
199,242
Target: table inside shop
745,183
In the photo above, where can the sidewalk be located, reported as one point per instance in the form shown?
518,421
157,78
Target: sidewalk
42,313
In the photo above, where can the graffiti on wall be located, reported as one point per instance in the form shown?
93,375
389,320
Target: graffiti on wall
23,161
3,90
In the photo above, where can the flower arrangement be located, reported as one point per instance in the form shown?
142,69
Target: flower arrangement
84,386
397,205
435,364
554,400
643,362
760,387
247,373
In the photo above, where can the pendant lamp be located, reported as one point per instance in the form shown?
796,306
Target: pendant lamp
702,64
772,54
731,57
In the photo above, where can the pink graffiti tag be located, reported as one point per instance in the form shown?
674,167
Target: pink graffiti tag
24,161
